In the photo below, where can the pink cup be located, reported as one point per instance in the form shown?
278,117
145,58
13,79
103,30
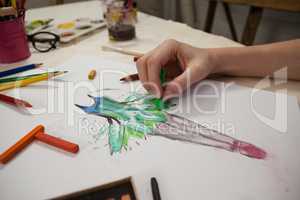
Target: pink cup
13,41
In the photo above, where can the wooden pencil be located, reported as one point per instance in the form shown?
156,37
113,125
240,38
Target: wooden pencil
23,83
23,2
14,102
18,78
14,4
122,51
137,55
19,69
132,77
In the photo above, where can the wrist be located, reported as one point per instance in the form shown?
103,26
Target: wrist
222,59
215,60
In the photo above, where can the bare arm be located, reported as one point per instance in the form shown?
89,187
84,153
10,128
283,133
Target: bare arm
260,60
187,65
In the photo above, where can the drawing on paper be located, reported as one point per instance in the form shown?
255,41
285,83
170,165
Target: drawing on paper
140,116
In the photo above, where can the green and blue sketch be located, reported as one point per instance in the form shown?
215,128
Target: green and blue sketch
134,118
141,115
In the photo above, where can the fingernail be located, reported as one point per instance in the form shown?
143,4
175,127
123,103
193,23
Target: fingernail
155,93
135,58
168,95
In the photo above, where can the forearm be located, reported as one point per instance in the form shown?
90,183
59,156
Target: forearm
258,61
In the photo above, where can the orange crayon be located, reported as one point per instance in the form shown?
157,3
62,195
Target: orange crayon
37,133
21,144
57,142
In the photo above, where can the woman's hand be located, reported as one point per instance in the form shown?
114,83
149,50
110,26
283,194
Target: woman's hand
184,65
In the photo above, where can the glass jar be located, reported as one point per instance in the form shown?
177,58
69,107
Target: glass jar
121,21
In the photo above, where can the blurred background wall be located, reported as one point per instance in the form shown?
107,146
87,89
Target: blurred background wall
274,26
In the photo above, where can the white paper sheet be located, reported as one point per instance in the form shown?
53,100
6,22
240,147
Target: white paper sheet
184,171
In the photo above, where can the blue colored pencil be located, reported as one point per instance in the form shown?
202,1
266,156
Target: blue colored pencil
19,69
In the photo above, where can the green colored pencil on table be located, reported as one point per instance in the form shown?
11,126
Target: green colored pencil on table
18,78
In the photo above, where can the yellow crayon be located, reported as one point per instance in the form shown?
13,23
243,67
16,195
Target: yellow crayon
92,74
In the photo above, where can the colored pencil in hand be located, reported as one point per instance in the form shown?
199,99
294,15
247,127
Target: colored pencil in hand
135,77
14,102
137,55
19,69
132,77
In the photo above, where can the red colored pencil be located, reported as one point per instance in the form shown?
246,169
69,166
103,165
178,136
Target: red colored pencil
23,2
132,77
129,3
14,102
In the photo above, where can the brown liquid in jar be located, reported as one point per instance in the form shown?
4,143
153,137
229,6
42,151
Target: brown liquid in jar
121,32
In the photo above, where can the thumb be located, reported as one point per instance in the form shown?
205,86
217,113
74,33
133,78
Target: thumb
177,86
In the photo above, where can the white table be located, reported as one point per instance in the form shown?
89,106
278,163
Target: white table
150,32
147,39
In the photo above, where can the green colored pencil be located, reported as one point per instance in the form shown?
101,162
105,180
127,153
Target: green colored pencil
18,78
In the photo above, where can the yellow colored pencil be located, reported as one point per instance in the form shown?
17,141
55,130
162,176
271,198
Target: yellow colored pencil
35,79
14,4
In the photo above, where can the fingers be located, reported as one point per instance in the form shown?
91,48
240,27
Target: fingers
196,64
142,69
149,69
154,76
150,65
